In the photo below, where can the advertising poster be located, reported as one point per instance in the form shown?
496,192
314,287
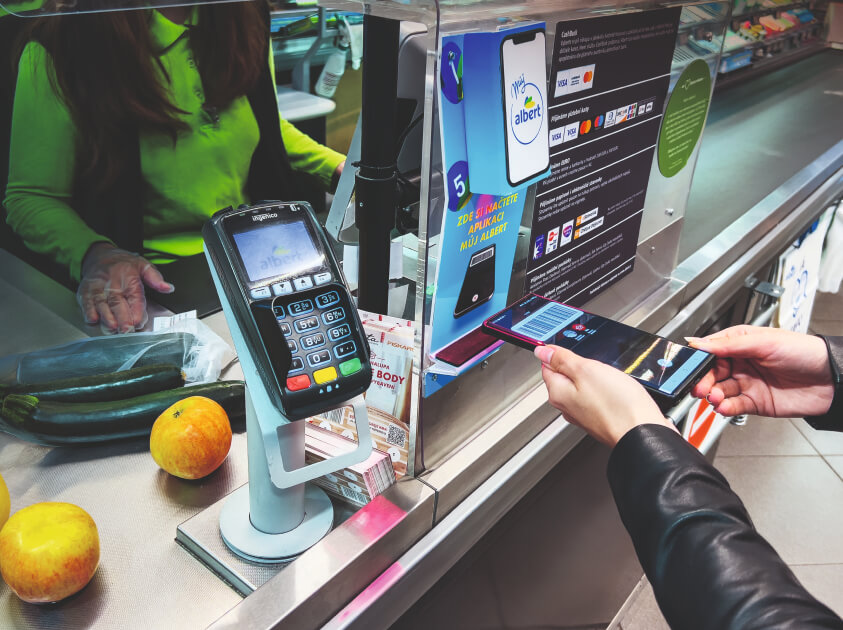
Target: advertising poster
479,231
799,271
608,82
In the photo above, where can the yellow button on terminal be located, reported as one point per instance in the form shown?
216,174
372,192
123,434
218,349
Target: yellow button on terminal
325,375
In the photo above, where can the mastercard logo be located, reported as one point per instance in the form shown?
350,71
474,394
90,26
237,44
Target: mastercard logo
585,127
588,76
598,122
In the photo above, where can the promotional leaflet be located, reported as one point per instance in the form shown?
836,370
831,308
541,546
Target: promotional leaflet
479,231
608,81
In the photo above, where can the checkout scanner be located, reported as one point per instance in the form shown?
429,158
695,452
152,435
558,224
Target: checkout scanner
303,351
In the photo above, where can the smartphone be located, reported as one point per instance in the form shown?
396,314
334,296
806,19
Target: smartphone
524,89
667,370
466,347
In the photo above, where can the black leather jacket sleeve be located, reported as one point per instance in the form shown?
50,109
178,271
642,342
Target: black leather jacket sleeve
708,566
832,420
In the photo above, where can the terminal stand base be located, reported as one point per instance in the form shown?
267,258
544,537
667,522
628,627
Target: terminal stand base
247,541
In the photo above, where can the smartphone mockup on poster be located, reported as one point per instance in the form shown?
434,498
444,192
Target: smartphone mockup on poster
667,370
478,285
524,89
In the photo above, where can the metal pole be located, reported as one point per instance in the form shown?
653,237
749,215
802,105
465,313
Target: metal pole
375,181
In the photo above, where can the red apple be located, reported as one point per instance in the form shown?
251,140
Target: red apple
49,551
191,438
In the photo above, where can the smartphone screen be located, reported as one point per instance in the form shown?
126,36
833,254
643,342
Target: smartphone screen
524,86
664,367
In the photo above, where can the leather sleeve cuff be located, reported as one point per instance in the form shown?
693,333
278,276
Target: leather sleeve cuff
832,420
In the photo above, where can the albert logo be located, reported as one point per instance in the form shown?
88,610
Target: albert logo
526,112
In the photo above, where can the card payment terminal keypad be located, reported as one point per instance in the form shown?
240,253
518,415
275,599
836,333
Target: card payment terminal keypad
315,325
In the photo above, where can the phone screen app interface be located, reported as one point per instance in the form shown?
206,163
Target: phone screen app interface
660,363
525,105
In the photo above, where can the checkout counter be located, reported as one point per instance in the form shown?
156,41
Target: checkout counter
495,488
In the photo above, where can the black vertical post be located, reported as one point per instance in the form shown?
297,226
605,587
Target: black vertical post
375,181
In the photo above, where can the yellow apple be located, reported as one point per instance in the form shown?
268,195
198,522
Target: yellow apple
191,438
49,551
5,502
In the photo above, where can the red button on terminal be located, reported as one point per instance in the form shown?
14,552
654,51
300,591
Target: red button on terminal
298,382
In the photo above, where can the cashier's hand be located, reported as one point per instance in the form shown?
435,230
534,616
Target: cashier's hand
766,371
111,290
597,397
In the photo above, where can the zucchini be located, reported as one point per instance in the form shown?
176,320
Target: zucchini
102,387
67,423
97,355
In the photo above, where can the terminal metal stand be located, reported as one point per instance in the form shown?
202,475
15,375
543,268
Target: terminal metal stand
277,516
267,522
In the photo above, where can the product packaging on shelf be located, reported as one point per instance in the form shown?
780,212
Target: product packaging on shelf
357,484
388,397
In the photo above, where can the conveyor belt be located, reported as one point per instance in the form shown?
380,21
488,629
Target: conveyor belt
765,131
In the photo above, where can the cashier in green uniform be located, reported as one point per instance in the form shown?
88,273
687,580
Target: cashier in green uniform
131,128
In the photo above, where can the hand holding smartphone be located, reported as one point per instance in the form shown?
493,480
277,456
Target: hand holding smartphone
667,370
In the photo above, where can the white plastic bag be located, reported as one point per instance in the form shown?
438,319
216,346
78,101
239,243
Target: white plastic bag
190,345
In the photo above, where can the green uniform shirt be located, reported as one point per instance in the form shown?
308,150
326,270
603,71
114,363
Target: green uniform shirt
185,184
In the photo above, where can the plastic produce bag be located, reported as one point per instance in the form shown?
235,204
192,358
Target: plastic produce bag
189,344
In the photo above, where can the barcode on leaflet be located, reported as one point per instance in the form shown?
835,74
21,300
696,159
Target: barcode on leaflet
351,495
395,435
547,321
334,416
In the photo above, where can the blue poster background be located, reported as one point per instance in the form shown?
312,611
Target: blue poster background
473,222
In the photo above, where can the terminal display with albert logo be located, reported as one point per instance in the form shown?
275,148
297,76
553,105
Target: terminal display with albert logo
666,369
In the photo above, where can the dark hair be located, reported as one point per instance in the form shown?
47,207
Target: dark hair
107,73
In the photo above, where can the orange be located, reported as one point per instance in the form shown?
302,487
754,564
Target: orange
191,438
49,551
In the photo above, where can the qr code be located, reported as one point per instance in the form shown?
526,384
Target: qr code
351,495
395,435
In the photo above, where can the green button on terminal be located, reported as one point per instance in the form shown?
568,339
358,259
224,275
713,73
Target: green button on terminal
350,367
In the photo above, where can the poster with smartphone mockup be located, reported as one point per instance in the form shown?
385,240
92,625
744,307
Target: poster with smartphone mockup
608,83
525,111
478,238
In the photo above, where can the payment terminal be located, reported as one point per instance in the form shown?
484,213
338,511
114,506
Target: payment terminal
293,308
302,349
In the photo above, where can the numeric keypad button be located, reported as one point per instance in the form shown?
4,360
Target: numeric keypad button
333,316
327,299
339,332
312,341
318,358
300,308
305,324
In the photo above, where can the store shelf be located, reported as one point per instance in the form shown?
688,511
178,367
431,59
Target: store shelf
762,11
768,64
715,12
767,130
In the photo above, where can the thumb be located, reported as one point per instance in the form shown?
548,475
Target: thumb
560,360
154,280
737,347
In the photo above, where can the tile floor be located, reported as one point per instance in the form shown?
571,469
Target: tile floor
791,479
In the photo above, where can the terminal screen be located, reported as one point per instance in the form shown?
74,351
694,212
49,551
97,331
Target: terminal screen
277,249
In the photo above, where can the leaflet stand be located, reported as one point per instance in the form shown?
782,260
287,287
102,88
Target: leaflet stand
277,516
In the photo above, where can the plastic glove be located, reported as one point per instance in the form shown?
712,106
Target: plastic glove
112,288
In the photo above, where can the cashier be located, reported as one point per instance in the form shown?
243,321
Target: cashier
131,128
